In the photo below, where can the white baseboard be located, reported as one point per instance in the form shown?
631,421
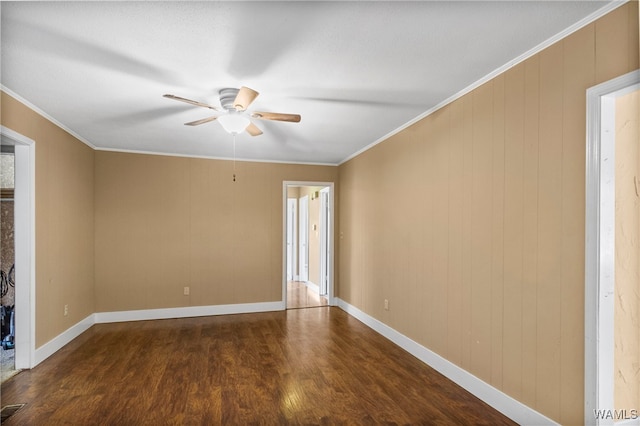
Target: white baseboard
502,402
189,311
58,342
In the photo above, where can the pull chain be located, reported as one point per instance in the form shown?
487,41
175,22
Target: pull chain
234,157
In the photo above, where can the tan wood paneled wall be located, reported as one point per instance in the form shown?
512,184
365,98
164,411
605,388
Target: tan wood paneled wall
163,223
471,221
64,220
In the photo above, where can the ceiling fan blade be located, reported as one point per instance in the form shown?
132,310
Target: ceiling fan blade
253,130
189,101
244,98
202,121
292,118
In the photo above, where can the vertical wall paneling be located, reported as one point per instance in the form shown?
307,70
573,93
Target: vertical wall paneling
467,248
428,188
550,231
420,201
513,230
579,72
456,196
613,44
347,198
415,268
481,199
439,153
497,233
530,170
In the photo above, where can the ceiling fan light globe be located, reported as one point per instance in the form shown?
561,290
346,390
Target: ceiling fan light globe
233,123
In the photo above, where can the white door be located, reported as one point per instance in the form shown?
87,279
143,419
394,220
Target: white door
291,238
325,227
303,220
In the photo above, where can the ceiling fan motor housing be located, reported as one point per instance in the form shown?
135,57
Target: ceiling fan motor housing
227,97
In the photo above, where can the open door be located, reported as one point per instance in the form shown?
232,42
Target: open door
303,220
291,238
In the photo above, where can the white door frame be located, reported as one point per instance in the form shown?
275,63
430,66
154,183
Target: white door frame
600,244
303,238
290,236
285,184
25,246
325,238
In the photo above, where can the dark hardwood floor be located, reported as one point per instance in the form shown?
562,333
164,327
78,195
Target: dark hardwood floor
303,366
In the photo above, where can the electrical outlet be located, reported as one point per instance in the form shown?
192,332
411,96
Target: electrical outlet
186,291
386,304
66,310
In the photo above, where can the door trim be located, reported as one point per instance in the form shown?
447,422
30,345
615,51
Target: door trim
325,238
600,244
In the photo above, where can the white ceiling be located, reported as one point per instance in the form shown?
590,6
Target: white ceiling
355,71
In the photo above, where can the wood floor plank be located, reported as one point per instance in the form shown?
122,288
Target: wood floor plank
304,366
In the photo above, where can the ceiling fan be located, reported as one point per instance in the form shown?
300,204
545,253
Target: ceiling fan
234,118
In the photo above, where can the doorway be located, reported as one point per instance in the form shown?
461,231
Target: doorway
602,298
309,227
7,262
24,237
